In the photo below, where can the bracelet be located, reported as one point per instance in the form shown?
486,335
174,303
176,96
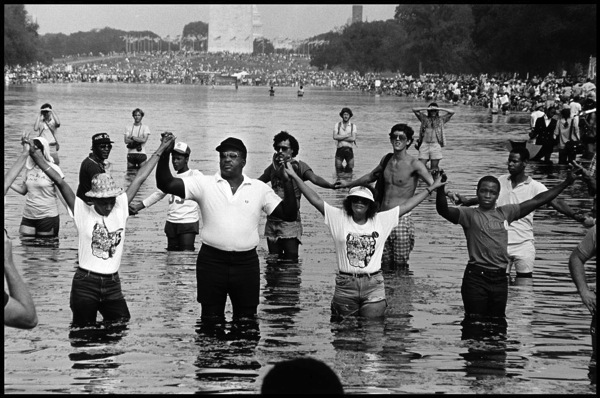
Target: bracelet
47,168
428,191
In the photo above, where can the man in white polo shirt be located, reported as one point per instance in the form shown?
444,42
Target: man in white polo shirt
183,217
231,205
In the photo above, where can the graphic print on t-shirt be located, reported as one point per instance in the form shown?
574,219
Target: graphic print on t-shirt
360,248
104,243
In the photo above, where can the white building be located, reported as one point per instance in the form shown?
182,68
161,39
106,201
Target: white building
231,28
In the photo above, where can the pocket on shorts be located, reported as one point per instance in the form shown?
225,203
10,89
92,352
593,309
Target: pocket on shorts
343,280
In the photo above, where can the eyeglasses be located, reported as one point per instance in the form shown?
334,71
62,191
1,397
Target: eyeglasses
281,148
230,155
395,137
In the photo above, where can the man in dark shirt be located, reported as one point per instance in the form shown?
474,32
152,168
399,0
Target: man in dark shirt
96,162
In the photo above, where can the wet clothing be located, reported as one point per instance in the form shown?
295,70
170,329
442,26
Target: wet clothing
484,287
227,263
96,285
274,227
359,249
520,232
400,243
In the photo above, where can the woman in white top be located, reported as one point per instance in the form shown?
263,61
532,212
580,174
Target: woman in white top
40,214
136,138
359,234
46,125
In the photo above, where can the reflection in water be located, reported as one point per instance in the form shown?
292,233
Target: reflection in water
226,350
282,291
30,241
486,344
96,352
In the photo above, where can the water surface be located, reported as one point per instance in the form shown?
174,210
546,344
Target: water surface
418,348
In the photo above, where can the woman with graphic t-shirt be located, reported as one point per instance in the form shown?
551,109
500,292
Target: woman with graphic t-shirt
359,234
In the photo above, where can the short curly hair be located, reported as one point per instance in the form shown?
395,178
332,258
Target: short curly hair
284,135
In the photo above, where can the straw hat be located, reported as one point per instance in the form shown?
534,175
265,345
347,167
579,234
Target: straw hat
103,186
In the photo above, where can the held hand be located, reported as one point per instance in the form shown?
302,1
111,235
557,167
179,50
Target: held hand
167,141
132,210
57,146
35,152
460,200
571,177
340,184
289,170
437,182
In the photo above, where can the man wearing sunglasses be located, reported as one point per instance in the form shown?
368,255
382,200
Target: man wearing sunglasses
400,174
97,162
283,237
231,205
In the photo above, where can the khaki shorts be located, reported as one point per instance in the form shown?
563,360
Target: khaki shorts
430,150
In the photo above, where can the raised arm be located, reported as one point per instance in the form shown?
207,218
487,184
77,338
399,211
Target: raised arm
288,208
60,182
318,180
414,200
562,207
14,171
545,197
364,180
441,205
164,179
308,193
166,143
577,262
37,126
19,312
55,117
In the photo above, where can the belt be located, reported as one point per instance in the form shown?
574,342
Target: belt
488,271
95,273
52,144
360,275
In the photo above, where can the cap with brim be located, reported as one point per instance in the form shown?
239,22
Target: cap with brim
101,138
103,186
182,148
362,192
234,143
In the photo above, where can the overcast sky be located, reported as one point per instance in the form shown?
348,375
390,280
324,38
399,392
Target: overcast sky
291,21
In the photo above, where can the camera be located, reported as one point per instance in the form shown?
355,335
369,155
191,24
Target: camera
435,172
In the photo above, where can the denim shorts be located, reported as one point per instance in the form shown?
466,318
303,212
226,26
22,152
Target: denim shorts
92,293
352,292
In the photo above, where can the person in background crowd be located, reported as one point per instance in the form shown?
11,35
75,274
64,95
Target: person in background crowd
40,214
183,217
46,125
344,134
97,162
431,134
283,237
543,132
136,138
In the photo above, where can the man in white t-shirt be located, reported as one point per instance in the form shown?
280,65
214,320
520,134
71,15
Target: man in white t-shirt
183,217
231,205
100,225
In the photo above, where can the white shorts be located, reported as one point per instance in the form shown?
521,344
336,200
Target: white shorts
430,150
522,256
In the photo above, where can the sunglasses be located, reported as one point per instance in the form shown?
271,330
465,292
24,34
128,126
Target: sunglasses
281,148
230,155
398,137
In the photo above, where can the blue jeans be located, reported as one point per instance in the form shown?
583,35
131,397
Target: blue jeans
484,292
353,292
92,292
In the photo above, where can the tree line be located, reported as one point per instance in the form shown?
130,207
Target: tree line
421,38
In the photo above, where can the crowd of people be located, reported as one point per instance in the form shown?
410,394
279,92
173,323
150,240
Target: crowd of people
372,230
500,92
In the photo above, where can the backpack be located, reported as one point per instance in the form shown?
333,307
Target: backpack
380,184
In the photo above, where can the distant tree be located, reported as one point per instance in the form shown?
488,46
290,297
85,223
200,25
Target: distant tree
438,37
262,46
21,40
195,28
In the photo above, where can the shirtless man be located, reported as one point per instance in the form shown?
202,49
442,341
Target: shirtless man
400,177
344,134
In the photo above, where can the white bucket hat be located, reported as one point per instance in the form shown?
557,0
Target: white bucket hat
103,186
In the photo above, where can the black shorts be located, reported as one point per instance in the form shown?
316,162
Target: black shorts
43,224
136,158
344,153
172,230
